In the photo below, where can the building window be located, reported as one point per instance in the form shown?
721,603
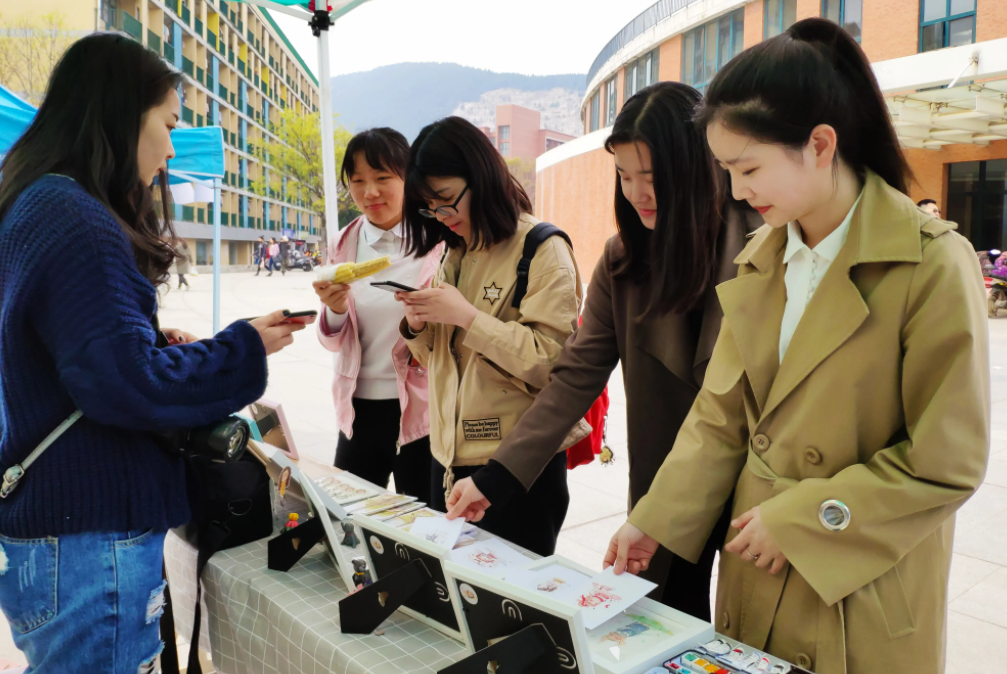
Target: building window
847,13
779,16
708,48
505,148
595,105
551,143
505,133
641,73
977,201
947,23
610,103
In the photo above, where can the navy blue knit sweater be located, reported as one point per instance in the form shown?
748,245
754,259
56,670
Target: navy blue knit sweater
75,332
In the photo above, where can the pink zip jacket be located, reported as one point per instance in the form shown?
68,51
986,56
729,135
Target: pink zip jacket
412,379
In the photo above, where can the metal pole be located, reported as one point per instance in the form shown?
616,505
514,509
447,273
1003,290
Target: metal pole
328,138
216,255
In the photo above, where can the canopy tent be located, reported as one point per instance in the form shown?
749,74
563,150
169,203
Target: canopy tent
194,174
319,20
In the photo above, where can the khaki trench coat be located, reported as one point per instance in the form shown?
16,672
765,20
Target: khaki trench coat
482,380
882,402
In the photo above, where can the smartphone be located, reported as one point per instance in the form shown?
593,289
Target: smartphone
393,287
300,317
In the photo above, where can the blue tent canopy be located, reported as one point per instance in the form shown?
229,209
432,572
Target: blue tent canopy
199,152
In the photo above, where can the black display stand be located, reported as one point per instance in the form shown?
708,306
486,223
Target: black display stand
368,607
512,654
287,549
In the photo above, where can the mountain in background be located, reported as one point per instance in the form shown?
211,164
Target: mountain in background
408,96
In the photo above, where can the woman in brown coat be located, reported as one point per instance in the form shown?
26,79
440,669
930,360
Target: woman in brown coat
651,305
847,404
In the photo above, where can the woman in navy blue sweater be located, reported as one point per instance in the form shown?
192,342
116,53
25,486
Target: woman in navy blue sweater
82,251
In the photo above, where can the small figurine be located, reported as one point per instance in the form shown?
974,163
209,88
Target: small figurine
291,521
284,483
350,539
361,576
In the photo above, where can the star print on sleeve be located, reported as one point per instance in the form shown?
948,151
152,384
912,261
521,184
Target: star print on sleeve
492,294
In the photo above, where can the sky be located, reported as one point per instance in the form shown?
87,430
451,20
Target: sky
531,37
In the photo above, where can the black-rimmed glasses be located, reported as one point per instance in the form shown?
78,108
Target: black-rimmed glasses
446,211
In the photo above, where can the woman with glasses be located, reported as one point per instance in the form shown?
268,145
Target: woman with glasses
379,390
487,359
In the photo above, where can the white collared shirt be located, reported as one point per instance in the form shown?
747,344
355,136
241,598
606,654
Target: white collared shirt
378,314
805,269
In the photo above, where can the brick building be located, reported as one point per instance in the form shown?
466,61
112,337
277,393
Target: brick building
955,137
519,133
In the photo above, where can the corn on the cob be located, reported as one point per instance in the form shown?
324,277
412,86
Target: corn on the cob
348,272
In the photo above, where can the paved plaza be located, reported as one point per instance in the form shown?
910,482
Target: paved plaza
300,379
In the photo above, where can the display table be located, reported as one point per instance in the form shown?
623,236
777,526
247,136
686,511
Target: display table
257,621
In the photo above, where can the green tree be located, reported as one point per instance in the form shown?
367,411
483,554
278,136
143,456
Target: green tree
524,171
30,47
298,156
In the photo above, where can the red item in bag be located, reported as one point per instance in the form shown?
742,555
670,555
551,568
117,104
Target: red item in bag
584,451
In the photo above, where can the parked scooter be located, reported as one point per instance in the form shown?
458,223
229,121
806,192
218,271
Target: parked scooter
996,284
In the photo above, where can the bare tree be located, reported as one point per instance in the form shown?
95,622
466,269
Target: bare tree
30,47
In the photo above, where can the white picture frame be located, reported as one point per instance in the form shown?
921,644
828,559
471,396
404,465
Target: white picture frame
324,508
523,608
404,547
271,426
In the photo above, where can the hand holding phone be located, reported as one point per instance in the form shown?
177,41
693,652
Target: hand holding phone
393,287
301,318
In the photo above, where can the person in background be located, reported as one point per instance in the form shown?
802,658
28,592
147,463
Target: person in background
652,306
847,402
183,263
930,206
379,390
82,546
284,249
487,359
274,255
259,254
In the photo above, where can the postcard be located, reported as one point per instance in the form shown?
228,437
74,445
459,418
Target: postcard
344,490
439,530
555,581
395,511
378,504
406,520
607,595
630,635
491,556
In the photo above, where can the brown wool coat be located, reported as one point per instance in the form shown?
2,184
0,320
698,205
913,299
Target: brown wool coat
882,402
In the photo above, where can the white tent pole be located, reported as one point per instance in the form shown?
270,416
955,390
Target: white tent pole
216,255
328,139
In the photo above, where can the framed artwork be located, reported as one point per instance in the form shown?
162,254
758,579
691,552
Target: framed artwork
494,609
390,548
646,635
272,427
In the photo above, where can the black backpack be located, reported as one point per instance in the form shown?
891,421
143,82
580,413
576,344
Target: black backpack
535,238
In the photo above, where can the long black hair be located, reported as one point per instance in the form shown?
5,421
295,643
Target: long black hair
678,259
813,73
383,148
88,128
454,148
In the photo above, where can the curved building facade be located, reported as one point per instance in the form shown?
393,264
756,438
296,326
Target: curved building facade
955,136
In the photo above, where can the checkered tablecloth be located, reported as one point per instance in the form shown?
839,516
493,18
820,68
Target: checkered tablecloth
257,621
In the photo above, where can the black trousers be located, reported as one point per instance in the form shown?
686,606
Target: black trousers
371,454
532,521
683,585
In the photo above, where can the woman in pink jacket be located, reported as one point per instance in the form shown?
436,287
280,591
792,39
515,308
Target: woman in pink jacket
380,392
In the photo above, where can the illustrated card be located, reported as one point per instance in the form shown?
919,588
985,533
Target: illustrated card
556,581
395,511
491,556
377,504
406,521
631,634
607,595
439,530
344,490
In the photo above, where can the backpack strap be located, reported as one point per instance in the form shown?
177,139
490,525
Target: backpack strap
536,236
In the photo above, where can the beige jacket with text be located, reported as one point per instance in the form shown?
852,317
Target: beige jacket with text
482,380
882,402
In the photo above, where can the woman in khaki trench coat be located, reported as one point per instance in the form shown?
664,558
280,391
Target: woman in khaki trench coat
847,401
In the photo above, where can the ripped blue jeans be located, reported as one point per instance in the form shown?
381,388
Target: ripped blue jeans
86,602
